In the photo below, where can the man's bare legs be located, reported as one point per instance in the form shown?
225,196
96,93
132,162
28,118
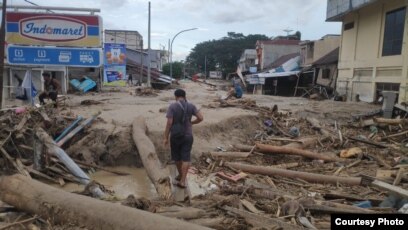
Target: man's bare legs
185,165
179,170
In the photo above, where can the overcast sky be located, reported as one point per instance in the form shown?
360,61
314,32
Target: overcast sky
214,18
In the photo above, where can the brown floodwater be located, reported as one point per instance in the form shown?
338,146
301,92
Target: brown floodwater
137,183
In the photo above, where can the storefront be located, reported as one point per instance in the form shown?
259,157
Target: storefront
65,45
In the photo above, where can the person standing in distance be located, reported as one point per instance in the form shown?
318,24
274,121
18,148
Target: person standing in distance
51,88
179,131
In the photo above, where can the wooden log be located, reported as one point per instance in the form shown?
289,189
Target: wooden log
63,207
309,177
230,154
335,195
154,168
262,221
308,142
208,222
316,125
241,147
270,149
386,121
257,192
185,213
331,207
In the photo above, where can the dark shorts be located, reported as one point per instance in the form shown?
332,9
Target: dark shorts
181,148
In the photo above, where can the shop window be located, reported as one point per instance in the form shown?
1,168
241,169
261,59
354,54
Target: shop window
394,32
388,87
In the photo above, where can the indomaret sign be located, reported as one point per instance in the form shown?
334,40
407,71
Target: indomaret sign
53,29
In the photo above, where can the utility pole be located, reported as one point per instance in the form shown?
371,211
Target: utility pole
171,49
205,67
149,84
168,54
2,43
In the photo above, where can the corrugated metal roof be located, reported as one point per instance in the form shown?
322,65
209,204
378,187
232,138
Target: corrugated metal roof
282,60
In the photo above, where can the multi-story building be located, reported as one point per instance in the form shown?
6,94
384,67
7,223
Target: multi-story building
269,51
373,51
311,51
247,60
131,38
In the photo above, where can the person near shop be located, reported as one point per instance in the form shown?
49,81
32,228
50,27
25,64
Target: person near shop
51,88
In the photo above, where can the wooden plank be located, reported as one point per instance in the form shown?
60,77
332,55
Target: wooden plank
391,188
398,178
42,175
250,206
21,124
382,174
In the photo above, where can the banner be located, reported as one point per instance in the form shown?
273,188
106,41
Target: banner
114,65
30,55
24,28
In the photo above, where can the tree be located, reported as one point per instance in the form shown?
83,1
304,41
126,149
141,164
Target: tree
177,69
222,54
298,35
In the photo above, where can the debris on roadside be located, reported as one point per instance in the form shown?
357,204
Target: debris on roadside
145,92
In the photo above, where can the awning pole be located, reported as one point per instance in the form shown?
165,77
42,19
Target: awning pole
297,84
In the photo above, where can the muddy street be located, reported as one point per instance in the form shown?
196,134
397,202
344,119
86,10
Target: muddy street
256,161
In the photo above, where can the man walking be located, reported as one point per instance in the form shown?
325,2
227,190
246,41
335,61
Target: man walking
179,131
130,80
51,87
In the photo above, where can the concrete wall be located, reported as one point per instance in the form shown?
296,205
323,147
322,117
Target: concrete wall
270,53
330,82
325,46
132,39
361,63
247,59
314,50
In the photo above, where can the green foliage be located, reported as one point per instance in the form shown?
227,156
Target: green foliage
298,35
177,69
222,54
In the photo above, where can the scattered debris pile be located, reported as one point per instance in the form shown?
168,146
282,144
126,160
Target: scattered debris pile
291,174
145,92
296,171
28,149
